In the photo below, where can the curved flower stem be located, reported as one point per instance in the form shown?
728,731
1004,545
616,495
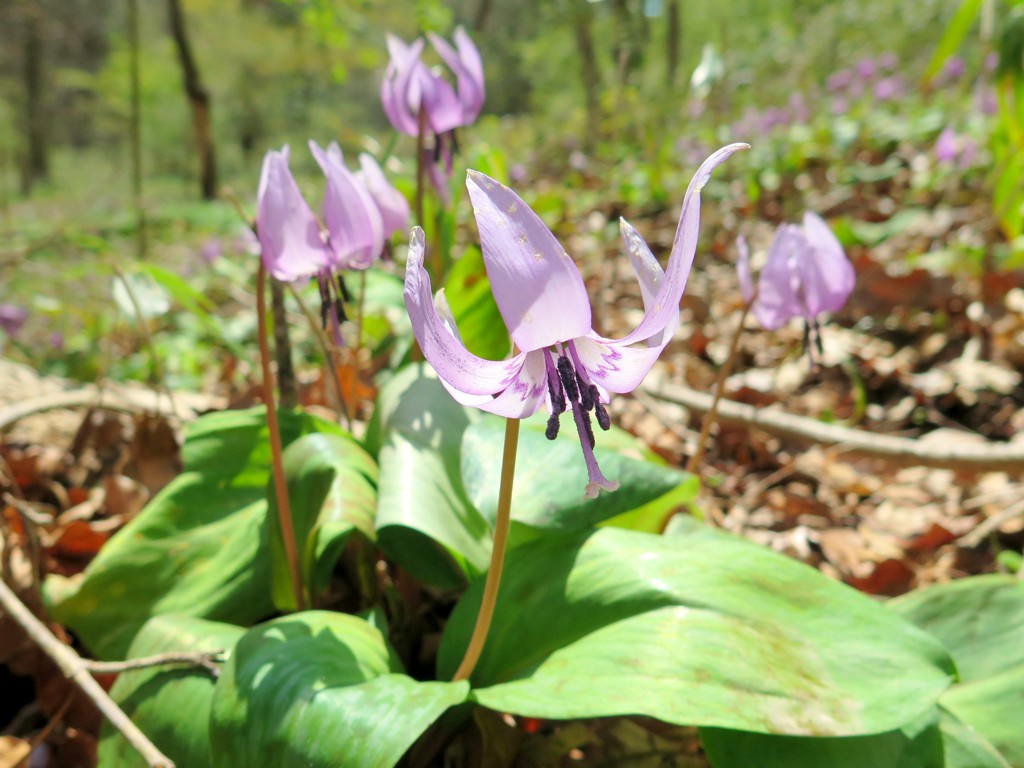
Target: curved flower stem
712,413
501,527
723,374
273,428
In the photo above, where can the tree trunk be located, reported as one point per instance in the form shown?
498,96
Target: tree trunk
198,100
36,165
581,20
483,13
673,35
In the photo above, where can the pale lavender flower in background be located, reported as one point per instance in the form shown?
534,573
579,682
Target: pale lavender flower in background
991,61
889,88
805,275
211,250
889,60
57,341
839,81
393,207
798,109
840,107
292,244
867,68
946,149
12,319
518,173
411,88
986,100
560,360
969,152
578,161
952,70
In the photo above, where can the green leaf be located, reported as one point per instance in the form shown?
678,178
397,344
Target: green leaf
332,492
476,314
980,620
439,470
198,548
936,740
724,633
320,689
170,704
955,33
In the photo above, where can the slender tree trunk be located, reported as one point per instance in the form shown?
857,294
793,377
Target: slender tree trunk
673,35
136,127
483,13
581,18
36,165
198,100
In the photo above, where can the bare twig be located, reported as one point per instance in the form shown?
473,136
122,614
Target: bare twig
76,670
208,660
986,457
123,401
990,525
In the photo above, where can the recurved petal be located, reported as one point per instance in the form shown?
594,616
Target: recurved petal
777,299
828,276
537,287
290,241
459,368
648,271
353,220
468,69
618,367
396,88
522,398
393,207
684,247
444,111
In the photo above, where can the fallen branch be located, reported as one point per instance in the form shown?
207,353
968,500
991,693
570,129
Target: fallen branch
76,670
983,457
122,401
208,660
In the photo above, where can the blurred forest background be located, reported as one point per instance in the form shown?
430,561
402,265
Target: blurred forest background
118,118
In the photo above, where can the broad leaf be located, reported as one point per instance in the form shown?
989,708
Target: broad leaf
198,548
320,689
981,621
332,492
937,740
439,469
170,704
705,632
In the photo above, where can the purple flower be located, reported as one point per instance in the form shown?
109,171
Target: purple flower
889,88
839,81
806,273
946,146
211,250
952,70
561,361
889,60
409,85
866,68
358,214
12,318
798,110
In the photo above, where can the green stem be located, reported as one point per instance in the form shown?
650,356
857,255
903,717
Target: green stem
284,509
501,528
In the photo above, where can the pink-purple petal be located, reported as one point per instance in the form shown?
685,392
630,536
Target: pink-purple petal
522,398
828,276
353,220
290,242
777,297
684,248
468,69
457,367
393,207
538,289
397,94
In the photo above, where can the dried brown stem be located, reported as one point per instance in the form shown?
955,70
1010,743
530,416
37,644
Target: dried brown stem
76,670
